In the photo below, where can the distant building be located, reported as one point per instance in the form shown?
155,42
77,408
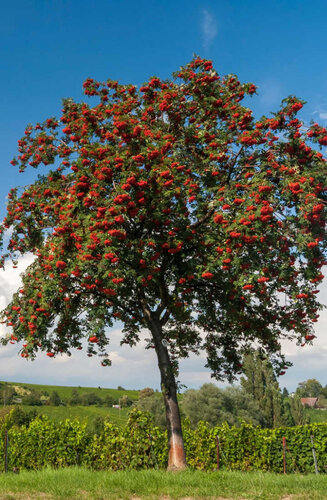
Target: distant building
310,402
17,401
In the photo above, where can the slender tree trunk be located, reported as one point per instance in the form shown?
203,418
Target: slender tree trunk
176,452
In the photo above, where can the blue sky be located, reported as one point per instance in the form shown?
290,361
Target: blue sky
48,47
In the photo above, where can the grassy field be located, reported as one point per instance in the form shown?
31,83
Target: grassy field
82,413
66,392
81,483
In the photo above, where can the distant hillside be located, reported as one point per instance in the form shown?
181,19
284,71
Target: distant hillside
90,403
65,392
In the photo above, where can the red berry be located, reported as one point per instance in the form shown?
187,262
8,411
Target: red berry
94,339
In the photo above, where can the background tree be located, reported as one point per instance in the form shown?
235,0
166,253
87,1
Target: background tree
75,398
153,404
206,404
91,398
55,399
322,400
285,393
298,413
287,418
261,383
310,388
33,398
109,400
215,406
171,208
7,393
146,392
124,401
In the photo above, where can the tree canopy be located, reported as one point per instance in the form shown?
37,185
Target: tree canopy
170,207
309,388
215,406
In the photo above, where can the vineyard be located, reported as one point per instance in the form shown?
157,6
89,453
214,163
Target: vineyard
141,445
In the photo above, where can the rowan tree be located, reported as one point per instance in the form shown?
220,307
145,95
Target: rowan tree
171,208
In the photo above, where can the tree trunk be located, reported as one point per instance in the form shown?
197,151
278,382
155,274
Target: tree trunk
176,452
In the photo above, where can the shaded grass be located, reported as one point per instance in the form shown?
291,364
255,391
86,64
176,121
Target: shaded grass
73,483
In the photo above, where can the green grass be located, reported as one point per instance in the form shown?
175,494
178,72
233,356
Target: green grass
66,392
82,413
73,483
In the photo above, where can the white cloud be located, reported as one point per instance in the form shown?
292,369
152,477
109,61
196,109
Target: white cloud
308,361
209,28
10,280
320,111
132,368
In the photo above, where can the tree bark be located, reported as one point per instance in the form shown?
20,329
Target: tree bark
176,452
